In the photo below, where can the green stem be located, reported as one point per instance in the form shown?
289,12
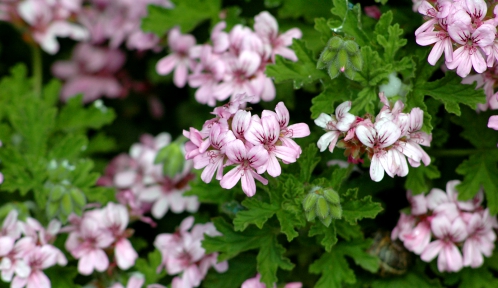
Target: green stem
455,152
37,70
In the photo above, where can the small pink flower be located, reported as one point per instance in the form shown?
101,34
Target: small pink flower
180,59
335,125
448,234
247,162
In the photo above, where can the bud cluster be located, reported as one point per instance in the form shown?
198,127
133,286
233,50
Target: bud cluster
341,56
386,139
324,203
439,225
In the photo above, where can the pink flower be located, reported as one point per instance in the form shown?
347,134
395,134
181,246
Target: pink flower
267,134
469,54
39,258
448,234
182,253
247,162
87,245
418,203
92,72
266,27
287,132
480,241
335,125
180,59
384,134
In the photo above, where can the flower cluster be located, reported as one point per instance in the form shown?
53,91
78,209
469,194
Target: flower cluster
233,64
392,136
26,250
255,283
98,232
249,142
141,184
464,25
451,224
44,20
182,253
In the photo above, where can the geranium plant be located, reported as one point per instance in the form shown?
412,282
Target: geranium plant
276,143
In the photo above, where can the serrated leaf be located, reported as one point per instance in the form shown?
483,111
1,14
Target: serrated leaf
73,116
331,96
322,27
327,234
480,171
187,14
475,128
68,147
392,43
347,230
365,100
257,213
240,269
302,8
349,21
452,93
334,270
51,91
269,259
62,276
418,178
357,251
354,209
307,162
102,195
301,72
478,278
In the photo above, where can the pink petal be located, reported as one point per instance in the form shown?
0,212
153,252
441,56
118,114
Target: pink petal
166,64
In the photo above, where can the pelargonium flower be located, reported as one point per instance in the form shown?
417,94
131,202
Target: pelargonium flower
392,136
250,143
233,63
183,254
461,231
143,187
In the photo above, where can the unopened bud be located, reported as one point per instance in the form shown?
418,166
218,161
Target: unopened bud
310,201
349,72
342,58
326,221
351,47
356,61
336,211
328,55
331,196
310,215
335,43
322,208
333,71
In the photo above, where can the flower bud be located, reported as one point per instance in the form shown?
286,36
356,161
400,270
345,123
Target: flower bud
356,61
351,47
335,43
327,56
66,204
322,208
336,211
349,72
333,71
342,58
310,215
310,201
331,196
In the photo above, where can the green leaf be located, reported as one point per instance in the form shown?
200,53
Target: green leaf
51,92
73,116
452,93
350,21
322,27
478,278
304,8
148,267
210,192
357,251
393,42
240,269
330,97
307,162
187,14
334,269
68,147
347,230
328,234
62,276
475,128
257,213
269,259
480,171
354,209
301,72
231,243
409,280
418,178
